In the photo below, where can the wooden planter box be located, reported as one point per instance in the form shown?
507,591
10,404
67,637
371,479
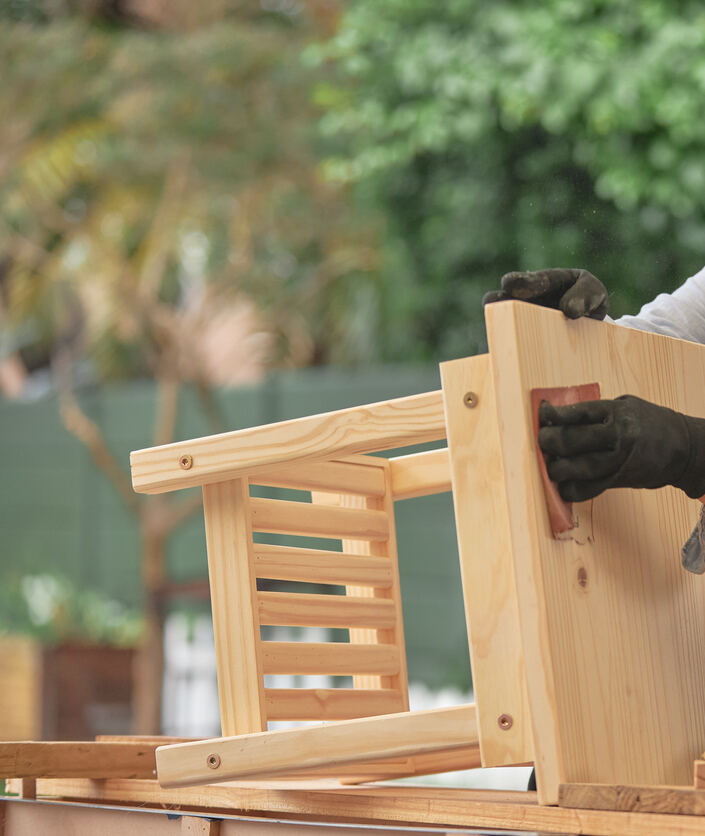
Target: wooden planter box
65,692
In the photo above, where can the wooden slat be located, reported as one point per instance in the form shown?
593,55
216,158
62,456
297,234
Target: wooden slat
77,760
303,518
486,566
366,479
333,435
420,474
298,610
404,805
233,595
313,566
654,799
610,622
352,741
335,659
329,703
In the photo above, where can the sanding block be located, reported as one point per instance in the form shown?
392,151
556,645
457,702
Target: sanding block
560,513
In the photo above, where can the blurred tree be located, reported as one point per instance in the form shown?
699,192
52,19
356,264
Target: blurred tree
515,135
162,215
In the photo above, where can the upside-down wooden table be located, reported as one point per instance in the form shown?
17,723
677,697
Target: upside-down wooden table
588,652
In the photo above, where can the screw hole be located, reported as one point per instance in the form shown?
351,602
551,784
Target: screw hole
470,400
505,721
213,761
186,461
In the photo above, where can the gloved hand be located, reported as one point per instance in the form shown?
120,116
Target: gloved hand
575,292
621,443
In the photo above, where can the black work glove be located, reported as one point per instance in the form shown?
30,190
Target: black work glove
624,443
575,292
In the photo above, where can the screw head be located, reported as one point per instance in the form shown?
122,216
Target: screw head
470,400
186,461
213,761
505,721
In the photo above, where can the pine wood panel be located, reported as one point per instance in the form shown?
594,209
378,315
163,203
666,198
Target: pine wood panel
313,566
611,623
233,592
330,703
420,474
404,805
333,658
301,610
487,571
352,741
332,435
303,518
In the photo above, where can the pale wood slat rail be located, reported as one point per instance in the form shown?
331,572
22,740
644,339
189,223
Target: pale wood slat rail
302,518
287,563
358,740
420,474
381,426
300,610
70,759
366,479
330,703
333,658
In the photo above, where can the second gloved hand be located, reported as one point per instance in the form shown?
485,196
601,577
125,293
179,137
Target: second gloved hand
623,443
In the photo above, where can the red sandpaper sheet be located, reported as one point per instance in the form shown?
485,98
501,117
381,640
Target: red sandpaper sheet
560,512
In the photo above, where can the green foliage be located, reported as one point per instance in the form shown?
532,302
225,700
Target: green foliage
154,174
53,609
516,135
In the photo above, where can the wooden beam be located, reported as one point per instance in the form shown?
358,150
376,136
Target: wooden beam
654,799
403,805
330,703
420,474
381,426
295,609
359,740
333,658
699,775
65,759
366,479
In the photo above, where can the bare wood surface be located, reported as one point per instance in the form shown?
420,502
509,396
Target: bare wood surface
63,759
486,566
303,518
699,775
287,563
233,592
655,799
611,624
366,479
352,741
333,435
420,474
403,805
199,826
298,609
334,658
330,703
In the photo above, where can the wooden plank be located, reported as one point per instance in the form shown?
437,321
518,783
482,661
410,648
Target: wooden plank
677,800
313,566
420,474
199,826
329,703
486,565
233,593
352,741
333,435
298,609
610,622
303,518
403,805
332,658
366,479
63,759
699,775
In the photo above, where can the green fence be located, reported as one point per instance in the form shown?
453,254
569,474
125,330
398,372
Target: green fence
59,514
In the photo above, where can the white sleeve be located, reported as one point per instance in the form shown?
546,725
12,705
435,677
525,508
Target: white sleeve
679,314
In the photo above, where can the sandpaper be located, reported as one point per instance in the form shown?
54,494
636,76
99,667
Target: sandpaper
560,512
